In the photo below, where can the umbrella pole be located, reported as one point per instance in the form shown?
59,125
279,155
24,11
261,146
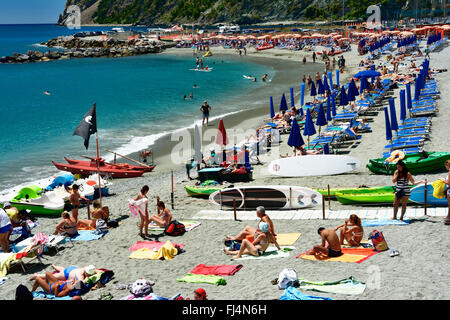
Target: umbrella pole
98,173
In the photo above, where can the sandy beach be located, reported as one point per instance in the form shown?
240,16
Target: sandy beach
420,272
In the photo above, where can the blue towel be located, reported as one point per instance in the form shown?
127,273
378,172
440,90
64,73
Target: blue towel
291,293
384,222
87,235
43,295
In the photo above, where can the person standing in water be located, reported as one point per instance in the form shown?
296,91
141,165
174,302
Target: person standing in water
205,108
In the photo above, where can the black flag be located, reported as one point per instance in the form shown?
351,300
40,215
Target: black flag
87,126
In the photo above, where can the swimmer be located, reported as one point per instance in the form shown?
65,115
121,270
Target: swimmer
47,92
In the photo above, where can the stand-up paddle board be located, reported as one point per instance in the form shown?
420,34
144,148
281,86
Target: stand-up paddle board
418,196
270,197
313,165
202,70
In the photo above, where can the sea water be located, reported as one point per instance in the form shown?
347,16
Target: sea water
138,99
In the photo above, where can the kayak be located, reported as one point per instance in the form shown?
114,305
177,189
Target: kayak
113,165
382,195
104,170
260,48
199,191
415,163
358,190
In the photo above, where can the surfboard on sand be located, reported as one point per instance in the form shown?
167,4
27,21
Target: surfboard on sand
270,197
313,165
418,196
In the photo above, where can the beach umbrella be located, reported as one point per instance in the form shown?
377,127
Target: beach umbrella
352,86
388,125
417,90
283,103
309,129
394,124
408,96
313,92
272,111
302,94
197,146
343,101
221,138
326,87
367,73
402,106
321,120
292,98
333,104
330,76
364,84
300,111
329,118
320,87
326,149
295,137
337,78
350,94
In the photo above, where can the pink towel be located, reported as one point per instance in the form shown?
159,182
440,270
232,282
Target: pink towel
221,270
152,245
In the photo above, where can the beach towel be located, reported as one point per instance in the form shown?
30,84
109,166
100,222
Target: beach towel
291,293
44,295
189,225
166,252
352,255
362,244
87,235
5,262
220,270
287,239
270,253
152,245
200,278
384,222
152,296
349,286
18,230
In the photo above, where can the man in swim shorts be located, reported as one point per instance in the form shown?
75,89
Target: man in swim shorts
75,202
330,247
205,108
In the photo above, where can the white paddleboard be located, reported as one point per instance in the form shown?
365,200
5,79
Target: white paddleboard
202,70
273,197
313,165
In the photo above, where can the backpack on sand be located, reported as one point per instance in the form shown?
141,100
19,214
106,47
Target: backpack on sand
175,228
378,241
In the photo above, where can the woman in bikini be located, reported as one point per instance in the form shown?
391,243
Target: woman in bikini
141,203
351,230
258,246
67,227
164,215
51,285
402,177
70,273
251,231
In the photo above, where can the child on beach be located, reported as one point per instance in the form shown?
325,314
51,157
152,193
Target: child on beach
75,202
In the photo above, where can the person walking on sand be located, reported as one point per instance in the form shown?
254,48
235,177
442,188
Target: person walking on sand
205,108
314,57
75,204
447,194
304,59
401,178
330,247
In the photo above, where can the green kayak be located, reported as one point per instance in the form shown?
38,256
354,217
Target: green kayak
382,195
199,191
360,190
415,162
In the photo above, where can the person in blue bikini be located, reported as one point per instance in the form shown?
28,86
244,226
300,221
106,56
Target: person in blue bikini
70,273
51,285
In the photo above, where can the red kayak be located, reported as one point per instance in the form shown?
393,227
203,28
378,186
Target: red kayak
260,48
103,163
104,170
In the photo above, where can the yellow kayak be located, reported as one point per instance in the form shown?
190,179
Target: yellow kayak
208,54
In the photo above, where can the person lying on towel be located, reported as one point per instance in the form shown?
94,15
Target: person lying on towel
70,273
258,246
331,246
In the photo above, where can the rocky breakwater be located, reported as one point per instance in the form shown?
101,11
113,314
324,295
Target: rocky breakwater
92,47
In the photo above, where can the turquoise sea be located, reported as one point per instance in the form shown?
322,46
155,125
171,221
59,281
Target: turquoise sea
138,100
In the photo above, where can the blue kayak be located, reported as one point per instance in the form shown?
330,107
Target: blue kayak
418,196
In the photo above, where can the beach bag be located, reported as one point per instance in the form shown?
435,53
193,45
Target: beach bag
287,277
175,229
23,293
141,288
438,189
378,241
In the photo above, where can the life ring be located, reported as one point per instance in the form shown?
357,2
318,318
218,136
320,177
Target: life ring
396,156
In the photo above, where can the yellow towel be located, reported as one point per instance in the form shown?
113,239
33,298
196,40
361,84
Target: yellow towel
5,262
287,239
343,258
439,189
166,252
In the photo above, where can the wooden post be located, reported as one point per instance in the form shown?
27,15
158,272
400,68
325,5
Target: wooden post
234,208
329,198
323,207
425,196
290,198
171,195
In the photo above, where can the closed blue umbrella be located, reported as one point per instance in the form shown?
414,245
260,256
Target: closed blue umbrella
313,92
394,124
364,84
330,77
388,125
272,111
337,78
352,86
417,90
320,87
402,106
326,149
408,96
302,94
309,129
292,97
343,101
321,120
300,111
295,137
350,94
283,103
326,87
333,104
329,118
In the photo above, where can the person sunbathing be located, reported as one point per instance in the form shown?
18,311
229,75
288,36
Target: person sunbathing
251,231
51,285
330,247
258,246
164,216
70,273
351,230
68,226
301,151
